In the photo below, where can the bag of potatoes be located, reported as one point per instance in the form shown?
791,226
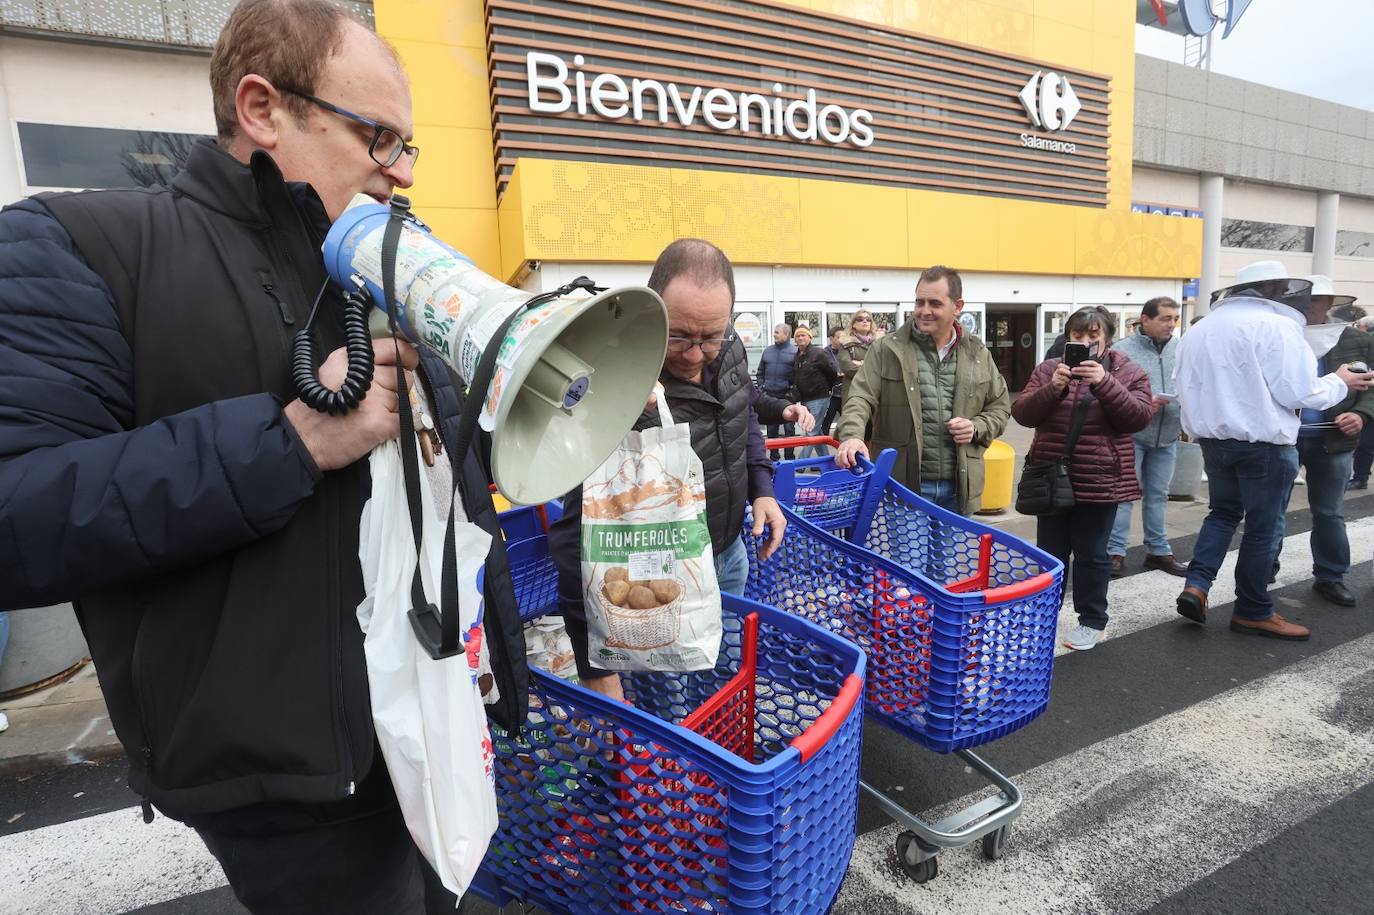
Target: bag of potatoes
648,573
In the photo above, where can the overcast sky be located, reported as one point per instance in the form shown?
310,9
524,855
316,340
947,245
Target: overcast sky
1320,48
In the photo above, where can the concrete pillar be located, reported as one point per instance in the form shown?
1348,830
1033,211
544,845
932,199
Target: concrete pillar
10,190
1324,237
1210,193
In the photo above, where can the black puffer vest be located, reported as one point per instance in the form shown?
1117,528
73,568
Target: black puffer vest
719,419
241,679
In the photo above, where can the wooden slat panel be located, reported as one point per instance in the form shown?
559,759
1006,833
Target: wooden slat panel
806,64
822,44
1094,135
1039,174
945,116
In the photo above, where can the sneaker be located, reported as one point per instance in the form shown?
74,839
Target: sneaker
1082,638
1357,484
1118,566
4,723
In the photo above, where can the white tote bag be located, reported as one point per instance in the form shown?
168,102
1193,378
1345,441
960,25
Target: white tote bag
648,572
428,714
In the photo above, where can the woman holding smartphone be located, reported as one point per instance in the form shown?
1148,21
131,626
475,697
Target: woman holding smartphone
1108,397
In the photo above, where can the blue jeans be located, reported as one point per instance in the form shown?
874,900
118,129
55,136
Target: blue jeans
4,634
817,408
1245,480
1326,477
1154,468
942,493
732,567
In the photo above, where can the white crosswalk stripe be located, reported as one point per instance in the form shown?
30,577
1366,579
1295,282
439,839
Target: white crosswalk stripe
112,862
1126,822
1147,598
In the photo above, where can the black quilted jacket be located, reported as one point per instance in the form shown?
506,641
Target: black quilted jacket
147,473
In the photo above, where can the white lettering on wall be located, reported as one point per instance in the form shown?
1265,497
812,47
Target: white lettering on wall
611,97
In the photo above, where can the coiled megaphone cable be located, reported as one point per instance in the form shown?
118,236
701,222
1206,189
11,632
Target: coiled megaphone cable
358,347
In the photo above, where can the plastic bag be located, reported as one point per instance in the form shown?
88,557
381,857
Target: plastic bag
648,573
429,716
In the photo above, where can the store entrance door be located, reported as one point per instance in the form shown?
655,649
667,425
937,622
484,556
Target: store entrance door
1011,338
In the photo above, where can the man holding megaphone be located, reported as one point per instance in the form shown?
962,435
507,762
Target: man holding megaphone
157,469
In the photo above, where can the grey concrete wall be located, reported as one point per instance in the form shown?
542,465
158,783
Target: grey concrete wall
1197,121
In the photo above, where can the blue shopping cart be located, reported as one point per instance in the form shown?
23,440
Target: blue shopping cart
728,790
958,621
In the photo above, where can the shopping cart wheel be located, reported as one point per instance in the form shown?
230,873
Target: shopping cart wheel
995,843
909,847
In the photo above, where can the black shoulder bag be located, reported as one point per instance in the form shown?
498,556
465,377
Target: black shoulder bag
1045,488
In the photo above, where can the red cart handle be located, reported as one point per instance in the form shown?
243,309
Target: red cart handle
800,441
809,742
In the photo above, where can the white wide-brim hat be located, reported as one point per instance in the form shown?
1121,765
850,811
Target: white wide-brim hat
1321,285
1295,294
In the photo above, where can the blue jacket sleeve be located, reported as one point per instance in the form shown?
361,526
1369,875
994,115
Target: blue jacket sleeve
87,500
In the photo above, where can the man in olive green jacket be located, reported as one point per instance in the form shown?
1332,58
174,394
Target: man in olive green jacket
932,392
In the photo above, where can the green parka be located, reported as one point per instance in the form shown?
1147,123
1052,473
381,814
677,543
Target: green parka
886,390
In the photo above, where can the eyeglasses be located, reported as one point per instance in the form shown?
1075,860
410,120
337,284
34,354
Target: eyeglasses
680,345
387,145
862,318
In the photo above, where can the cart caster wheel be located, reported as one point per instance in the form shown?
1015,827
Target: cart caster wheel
995,843
920,871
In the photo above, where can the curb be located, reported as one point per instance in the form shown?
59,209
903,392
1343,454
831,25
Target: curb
57,759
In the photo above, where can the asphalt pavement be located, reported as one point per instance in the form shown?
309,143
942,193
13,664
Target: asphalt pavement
1178,769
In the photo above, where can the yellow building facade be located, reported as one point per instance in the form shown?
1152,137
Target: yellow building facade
815,228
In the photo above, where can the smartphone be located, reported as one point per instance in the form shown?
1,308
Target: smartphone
1075,354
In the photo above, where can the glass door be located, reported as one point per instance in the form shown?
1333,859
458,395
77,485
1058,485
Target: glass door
974,320
751,324
1049,324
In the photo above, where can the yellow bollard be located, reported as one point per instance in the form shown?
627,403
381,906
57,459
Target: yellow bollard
999,466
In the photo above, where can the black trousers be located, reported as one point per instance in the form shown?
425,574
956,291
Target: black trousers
351,855
1078,538
1364,455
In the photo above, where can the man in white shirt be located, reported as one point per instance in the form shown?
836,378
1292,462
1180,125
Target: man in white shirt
1242,376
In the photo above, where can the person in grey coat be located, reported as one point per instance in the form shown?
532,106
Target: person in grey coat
1153,347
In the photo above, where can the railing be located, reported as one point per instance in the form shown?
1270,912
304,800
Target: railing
180,24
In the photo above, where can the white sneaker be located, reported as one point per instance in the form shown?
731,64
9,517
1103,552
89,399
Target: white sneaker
4,723
1082,638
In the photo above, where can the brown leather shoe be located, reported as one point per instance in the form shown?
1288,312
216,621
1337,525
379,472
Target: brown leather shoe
1276,627
1192,604
1118,566
1167,564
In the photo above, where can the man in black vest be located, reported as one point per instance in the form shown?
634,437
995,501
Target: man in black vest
157,469
706,380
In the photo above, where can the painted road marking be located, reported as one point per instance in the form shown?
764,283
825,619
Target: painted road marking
112,862
1146,599
1123,824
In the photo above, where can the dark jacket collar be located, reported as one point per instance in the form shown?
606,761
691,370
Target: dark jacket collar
253,193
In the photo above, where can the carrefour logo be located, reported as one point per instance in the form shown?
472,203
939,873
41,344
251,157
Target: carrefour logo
1051,104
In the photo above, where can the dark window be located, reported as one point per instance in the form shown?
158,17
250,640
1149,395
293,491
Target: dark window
1265,236
1350,243
99,157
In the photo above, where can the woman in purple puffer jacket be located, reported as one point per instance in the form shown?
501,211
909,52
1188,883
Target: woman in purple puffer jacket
1102,466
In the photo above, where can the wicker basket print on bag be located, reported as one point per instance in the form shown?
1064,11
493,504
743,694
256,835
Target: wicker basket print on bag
652,627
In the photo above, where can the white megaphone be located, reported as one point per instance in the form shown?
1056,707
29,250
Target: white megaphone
572,374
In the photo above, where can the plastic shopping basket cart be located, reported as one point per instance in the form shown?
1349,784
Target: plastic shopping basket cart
729,790
958,620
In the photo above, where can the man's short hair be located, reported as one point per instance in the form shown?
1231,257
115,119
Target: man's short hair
1151,308
785,327
699,260
286,42
949,275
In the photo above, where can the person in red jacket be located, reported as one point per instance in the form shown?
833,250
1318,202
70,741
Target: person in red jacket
1117,400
